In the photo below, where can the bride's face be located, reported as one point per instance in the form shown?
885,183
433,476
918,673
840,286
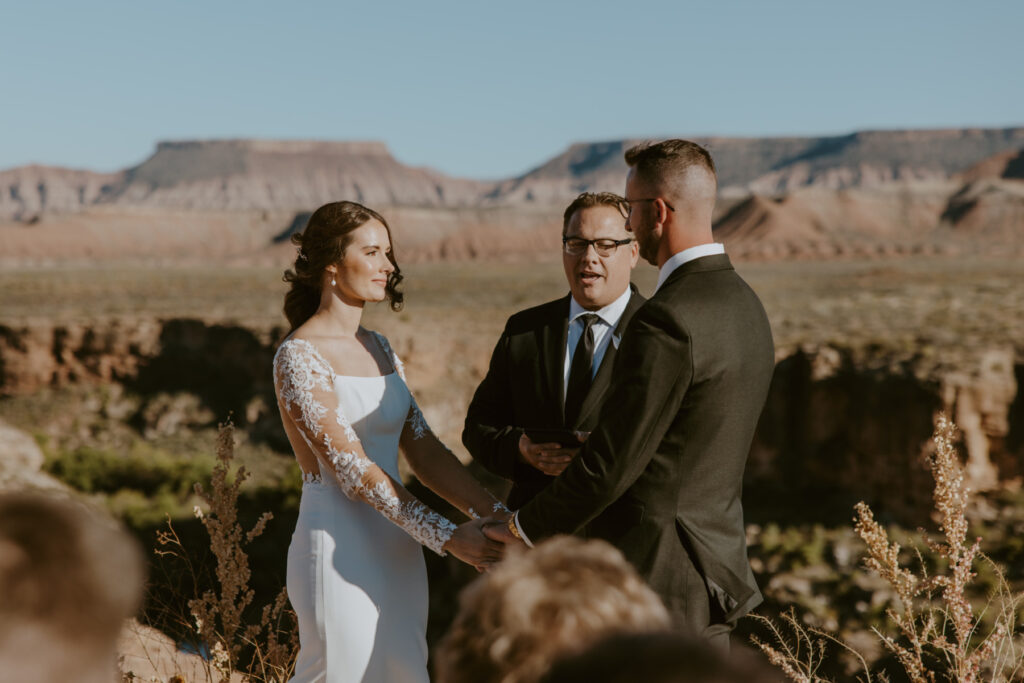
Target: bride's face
362,274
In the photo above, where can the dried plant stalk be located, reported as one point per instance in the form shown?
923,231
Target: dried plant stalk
938,629
218,614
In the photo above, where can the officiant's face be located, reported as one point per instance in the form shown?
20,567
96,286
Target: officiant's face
363,272
596,280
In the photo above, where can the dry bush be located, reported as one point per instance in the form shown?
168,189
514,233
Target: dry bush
939,635
263,651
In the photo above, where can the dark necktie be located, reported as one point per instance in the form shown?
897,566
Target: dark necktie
580,370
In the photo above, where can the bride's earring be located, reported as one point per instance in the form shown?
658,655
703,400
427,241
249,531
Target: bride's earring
334,283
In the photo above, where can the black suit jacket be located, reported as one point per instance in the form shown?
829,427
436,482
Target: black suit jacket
661,475
524,387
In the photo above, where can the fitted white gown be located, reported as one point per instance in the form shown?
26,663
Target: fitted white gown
356,575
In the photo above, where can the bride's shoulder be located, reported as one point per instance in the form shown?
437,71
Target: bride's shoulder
376,336
384,344
299,351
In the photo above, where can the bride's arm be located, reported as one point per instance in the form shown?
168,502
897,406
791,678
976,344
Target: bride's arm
436,466
303,382
441,472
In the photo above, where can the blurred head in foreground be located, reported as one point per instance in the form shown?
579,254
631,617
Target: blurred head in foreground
68,580
660,658
540,604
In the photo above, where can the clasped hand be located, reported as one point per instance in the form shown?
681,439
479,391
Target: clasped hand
549,458
469,543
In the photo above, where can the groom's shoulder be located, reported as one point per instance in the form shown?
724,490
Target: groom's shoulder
538,316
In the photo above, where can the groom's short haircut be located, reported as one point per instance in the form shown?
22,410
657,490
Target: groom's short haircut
588,200
69,576
541,604
666,163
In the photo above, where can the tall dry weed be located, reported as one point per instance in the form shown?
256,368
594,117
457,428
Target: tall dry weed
939,635
265,650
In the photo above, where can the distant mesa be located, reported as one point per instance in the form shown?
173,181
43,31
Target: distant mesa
1007,165
27,192
777,165
299,175
870,192
291,175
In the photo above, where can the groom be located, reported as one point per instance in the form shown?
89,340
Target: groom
661,475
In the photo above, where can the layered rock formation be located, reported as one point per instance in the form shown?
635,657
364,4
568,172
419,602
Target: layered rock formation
265,174
28,191
771,166
840,424
864,194
238,175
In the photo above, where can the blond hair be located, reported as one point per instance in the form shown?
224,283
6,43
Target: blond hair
538,605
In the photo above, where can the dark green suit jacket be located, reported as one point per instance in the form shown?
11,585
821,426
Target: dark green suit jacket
524,387
661,475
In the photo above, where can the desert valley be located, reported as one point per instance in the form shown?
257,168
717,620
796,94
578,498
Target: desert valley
140,308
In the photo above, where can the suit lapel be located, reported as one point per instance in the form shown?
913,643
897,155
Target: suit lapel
552,347
604,373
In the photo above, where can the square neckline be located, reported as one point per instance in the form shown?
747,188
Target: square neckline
335,375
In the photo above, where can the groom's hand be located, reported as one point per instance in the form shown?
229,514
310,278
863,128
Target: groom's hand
498,531
549,458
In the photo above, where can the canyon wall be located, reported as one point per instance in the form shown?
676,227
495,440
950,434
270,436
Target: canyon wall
839,426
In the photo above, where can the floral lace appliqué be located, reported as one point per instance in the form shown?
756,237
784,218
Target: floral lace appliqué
305,385
312,479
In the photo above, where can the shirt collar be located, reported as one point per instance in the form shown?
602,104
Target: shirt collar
685,256
610,314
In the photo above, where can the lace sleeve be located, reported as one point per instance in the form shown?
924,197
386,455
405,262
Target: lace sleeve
303,380
415,420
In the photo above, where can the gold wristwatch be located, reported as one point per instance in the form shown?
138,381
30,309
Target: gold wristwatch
513,529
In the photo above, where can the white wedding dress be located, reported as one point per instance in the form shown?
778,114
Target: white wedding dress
356,575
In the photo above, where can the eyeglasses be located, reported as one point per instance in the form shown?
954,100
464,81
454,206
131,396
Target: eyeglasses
574,246
629,202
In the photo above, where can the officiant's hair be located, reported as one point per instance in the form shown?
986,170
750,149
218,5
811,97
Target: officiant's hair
322,243
65,570
540,604
588,200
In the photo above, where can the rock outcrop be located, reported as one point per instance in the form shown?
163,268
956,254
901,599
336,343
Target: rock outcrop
21,463
267,174
772,166
27,192
840,424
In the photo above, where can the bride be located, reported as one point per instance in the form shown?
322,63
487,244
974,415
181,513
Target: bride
356,574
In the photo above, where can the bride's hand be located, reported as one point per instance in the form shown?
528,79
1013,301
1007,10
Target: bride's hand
469,544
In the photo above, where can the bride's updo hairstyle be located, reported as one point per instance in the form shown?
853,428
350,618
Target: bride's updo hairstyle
323,243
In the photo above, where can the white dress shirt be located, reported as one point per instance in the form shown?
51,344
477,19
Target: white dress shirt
604,334
685,256
666,269
604,328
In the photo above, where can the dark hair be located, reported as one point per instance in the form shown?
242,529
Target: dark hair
657,160
587,200
323,243
665,657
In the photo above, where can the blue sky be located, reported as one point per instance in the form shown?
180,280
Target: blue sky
489,90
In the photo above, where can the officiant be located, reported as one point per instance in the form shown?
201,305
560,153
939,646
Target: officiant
549,371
